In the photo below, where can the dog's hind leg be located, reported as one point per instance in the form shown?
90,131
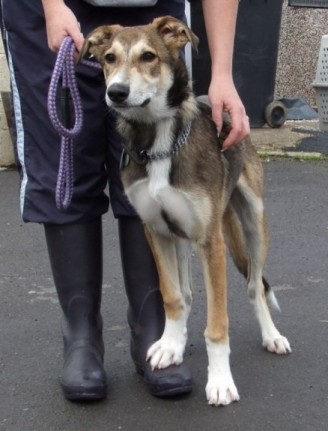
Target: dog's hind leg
248,241
172,259
220,388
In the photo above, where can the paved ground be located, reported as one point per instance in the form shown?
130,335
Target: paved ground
276,392
297,139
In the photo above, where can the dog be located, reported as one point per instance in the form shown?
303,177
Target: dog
187,191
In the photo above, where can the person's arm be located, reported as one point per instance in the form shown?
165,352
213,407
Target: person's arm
61,22
220,21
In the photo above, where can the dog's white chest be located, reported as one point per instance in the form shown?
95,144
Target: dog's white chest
153,195
158,177
164,207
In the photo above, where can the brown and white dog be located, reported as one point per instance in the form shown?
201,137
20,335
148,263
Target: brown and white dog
186,190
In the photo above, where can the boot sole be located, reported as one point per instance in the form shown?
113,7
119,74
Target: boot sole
164,393
83,395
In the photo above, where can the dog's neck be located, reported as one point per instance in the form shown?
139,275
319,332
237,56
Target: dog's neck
157,137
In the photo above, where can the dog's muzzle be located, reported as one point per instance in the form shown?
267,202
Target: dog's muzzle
118,94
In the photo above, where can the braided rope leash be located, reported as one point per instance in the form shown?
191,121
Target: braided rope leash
64,75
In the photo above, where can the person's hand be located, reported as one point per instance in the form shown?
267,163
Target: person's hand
223,97
61,22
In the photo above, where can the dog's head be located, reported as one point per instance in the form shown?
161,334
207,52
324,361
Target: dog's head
141,65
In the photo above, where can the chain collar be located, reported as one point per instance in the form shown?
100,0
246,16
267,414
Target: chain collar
144,156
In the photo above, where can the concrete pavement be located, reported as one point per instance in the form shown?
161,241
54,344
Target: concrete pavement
276,392
296,139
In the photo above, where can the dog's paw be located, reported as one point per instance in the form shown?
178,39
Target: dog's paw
165,352
279,345
221,390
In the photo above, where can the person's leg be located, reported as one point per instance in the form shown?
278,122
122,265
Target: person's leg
74,237
38,154
146,311
75,252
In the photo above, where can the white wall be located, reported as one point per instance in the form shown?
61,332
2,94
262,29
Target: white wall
6,148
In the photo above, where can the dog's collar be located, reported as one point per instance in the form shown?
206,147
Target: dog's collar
142,157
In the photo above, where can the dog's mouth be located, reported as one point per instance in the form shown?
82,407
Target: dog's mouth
127,105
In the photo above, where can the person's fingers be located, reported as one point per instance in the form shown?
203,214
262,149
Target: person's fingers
61,22
217,117
239,129
77,37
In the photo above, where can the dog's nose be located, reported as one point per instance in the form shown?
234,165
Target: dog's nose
118,93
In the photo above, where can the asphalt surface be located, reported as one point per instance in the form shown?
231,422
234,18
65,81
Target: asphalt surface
277,393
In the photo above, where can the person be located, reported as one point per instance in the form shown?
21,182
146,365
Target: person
74,236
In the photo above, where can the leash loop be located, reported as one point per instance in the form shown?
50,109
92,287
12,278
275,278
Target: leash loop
65,70
64,75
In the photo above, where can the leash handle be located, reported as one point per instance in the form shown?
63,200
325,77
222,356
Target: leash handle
64,71
64,75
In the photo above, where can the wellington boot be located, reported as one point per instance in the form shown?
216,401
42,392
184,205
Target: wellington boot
75,253
146,312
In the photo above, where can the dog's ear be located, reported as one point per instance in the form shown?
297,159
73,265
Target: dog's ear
176,34
95,41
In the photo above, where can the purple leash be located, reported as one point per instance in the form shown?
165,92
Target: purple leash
64,70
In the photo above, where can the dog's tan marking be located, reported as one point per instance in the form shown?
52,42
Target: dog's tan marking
168,275
131,60
214,264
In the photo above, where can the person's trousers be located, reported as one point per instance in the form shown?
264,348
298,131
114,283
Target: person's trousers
97,149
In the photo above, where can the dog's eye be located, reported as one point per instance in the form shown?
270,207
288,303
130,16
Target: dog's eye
148,56
110,58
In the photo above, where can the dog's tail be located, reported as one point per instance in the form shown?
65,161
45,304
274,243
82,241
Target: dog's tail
237,244
271,297
235,239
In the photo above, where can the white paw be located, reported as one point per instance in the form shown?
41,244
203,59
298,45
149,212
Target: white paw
221,390
165,352
279,345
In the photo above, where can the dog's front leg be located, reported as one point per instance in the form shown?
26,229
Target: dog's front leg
169,349
220,388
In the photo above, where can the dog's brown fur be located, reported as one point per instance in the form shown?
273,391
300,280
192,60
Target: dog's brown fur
198,194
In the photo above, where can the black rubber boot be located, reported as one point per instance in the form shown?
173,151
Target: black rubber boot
146,312
75,252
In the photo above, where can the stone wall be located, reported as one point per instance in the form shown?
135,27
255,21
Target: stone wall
300,38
